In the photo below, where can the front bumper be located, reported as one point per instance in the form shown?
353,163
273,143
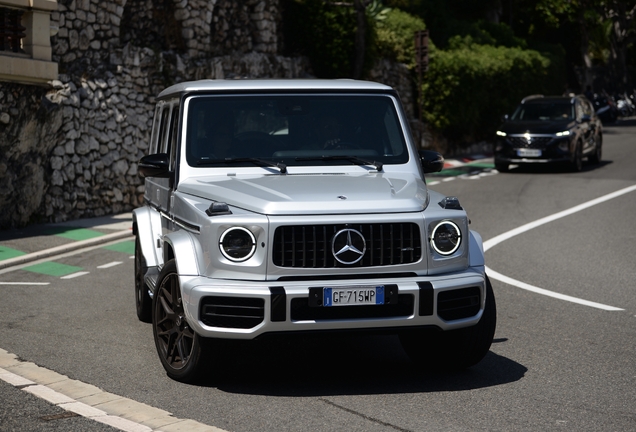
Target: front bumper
507,151
245,309
512,160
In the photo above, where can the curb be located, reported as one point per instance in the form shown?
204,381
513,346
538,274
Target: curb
24,259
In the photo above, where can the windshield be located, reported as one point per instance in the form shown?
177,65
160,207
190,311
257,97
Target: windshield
293,130
545,111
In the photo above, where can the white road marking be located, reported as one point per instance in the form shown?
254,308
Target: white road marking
25,283
110,264
74,275
510,281
527,227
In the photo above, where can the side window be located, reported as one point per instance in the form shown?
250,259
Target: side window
163,130
174,132
154,136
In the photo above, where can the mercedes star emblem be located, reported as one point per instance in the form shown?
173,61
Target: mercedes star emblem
348,246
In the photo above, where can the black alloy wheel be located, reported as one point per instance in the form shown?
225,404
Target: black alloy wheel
501,167
143,302
182,352
596,157
577,158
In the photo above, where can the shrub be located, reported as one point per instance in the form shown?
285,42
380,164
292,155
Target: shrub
468,88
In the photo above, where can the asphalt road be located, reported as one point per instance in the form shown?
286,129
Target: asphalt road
555,365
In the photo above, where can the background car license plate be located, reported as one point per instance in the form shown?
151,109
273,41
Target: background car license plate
355,295
528,152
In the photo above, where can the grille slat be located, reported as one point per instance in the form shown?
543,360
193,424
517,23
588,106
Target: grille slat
386,244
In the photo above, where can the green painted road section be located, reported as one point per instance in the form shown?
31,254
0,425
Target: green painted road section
127,247
471,168
52,269
77,234
7,252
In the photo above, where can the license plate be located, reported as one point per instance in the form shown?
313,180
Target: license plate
528,152
354,295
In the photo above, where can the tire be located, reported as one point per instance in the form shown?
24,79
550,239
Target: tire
596,157
501,167
143,302
182,352
455,349
576,165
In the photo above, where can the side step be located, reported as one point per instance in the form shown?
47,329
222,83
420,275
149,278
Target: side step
151,279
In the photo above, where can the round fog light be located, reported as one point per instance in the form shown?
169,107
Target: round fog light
237,244
446,238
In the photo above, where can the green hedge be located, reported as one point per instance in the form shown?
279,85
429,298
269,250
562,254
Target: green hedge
468,88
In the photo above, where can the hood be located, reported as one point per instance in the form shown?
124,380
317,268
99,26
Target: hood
536,127
294,194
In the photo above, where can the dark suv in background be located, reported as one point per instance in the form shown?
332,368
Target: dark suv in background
547,129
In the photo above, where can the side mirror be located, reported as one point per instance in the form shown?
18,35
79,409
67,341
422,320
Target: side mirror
585,118
431,161
155,165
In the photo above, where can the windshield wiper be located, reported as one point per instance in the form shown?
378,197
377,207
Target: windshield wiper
354,159
281,166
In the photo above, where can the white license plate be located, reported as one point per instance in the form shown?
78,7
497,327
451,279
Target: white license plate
354,295
528,152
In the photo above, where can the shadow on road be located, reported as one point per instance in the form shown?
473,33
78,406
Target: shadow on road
327,366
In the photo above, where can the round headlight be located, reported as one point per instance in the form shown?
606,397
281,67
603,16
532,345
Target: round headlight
446,238
237,244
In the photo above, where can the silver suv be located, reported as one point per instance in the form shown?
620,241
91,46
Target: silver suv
282,206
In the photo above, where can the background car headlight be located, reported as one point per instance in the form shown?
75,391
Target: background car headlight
237,244
446,238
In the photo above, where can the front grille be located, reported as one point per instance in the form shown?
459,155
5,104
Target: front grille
301,311
459,303
311,246
232,312
536,142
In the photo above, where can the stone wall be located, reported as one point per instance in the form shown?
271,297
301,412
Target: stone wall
71,150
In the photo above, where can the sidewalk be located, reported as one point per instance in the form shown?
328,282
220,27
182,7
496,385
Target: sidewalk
24,245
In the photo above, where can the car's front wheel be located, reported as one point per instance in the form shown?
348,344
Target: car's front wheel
183,353
501,166
577,158
455,349
595,157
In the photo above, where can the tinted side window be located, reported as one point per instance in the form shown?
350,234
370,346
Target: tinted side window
163,130
172,139
155,129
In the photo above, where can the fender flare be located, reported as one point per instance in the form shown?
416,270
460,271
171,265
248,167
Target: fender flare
181,246
144,219
476,250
